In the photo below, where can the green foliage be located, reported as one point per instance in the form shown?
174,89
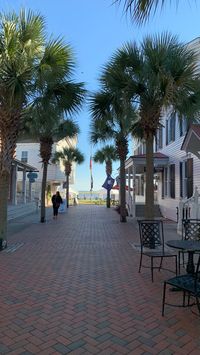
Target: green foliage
68,155
106,154
140,10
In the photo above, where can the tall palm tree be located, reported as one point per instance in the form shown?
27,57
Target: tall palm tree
112,119
159,75
47,130
140,10
106,155
68,156
56,95
22,38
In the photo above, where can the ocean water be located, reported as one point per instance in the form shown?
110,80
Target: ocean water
87,195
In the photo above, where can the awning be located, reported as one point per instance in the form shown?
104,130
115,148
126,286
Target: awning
160,160
23,166
116,187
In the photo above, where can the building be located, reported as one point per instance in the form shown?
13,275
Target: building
176,165
27,152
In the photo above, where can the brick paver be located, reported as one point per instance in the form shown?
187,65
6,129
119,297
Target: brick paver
72,286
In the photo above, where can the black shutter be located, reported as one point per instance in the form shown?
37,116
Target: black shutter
189,177
166,130
163,183
172,181
181,178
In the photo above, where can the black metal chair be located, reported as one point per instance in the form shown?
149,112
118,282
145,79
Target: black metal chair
190,231
152,244
189,284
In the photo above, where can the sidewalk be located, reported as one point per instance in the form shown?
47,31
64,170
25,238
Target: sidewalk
72,286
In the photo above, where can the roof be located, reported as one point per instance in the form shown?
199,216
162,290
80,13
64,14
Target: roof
24,166
156,155
159,160
194,128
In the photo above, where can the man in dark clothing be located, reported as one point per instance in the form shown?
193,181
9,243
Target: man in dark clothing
56,201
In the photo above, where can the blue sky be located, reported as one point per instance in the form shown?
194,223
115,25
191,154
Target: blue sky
95,29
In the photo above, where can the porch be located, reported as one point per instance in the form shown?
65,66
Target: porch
136,180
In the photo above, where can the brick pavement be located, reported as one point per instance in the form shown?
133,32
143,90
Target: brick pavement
72,286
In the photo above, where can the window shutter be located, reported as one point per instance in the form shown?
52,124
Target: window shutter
181,178
172,181
189,177
166,131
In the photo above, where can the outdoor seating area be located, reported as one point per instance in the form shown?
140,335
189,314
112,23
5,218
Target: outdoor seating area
76,288
153,245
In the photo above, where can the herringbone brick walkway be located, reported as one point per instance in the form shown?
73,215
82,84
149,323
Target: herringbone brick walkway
72,286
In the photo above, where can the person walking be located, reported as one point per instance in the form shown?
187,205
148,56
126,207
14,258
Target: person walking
56,201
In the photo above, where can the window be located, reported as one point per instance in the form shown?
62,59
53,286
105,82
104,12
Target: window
170,129
183,126
172,180
159,139
24,156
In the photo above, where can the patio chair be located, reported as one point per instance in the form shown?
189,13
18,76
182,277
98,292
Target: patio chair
152,244
190,231
189,284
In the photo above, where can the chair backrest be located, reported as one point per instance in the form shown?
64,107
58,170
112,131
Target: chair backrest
197,275
151,233
191,229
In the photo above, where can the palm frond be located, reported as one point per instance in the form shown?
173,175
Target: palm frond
140,10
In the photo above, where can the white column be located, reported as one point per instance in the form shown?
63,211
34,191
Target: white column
129,194
24,186
14,185
133,186
30,192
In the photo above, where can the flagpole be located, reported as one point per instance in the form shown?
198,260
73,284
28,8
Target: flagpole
91,177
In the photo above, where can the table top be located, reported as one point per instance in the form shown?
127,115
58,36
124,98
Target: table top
190,245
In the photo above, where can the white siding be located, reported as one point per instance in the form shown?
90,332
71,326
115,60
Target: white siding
55,171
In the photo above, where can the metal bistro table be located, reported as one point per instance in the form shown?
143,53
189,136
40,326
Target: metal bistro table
190,246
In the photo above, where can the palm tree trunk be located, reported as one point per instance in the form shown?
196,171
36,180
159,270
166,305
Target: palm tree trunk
4,187
43,192
149,195
122,191
108,199
67,191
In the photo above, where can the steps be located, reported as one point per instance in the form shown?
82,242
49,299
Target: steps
139,210
15,211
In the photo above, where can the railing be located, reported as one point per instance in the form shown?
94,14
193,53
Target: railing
188,208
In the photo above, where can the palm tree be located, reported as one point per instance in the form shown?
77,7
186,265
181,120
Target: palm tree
159,75
106,155
47,130
21,41
68,156
56,95
140,10
112,119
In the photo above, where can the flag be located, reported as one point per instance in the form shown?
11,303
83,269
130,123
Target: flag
91,177
108,183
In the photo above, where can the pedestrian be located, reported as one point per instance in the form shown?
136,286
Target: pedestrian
56,201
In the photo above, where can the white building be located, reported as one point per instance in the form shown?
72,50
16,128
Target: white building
176,164
28,152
